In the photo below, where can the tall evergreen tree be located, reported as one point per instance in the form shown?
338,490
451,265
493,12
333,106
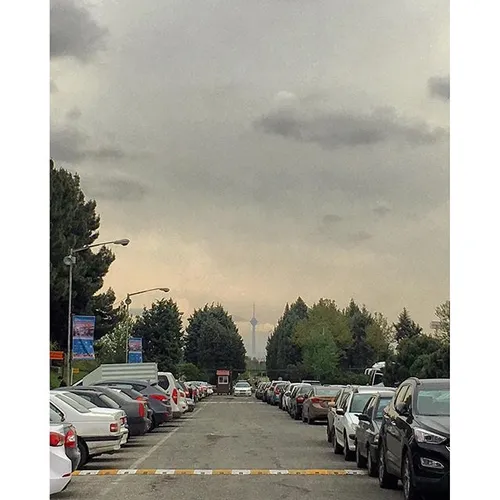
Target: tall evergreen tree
405,327
74,223
161,330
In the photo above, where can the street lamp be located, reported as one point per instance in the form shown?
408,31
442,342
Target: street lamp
128,301
70,261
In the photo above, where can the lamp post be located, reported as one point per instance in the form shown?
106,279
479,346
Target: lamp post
128,301
70,261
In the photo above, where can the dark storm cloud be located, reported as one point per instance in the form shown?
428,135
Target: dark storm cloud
69,144
116,189
333,130
73,31
439,87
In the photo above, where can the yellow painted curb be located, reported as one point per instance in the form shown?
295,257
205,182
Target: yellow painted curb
221,472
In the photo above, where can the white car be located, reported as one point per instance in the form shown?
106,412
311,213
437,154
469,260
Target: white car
351,403
242,388
98,433
167,382
115,412
60,464
182,398
286,396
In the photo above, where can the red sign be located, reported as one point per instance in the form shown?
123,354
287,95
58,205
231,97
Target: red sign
223,372
56,355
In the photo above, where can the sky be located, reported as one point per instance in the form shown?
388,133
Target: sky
254,152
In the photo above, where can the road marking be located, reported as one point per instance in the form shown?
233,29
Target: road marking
221,472
133,468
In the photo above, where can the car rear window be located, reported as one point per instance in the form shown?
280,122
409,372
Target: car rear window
81,400
303,389
55,415
325,391
109,401
383,402
358,402
70,402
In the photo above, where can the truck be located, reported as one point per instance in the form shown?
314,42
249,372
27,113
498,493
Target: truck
376,373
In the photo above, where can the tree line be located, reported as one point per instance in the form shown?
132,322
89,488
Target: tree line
336,345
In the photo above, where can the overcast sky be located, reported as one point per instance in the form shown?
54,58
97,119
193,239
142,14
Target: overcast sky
254,151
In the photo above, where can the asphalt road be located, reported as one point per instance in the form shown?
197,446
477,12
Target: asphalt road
242,444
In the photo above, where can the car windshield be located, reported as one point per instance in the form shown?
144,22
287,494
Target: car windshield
242,384
325,391
383,402
71,402
358,402
433,402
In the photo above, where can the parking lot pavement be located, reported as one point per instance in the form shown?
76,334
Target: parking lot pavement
248,449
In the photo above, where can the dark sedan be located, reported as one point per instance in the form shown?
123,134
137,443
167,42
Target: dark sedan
415,439
368,430
297,400
105,397
158,399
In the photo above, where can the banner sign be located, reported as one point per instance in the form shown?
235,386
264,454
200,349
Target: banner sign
83,337
135,350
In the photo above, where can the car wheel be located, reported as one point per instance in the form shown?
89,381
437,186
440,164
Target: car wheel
360,459
347,452
310,420
409,490
385,479
337,449
84,453
370,464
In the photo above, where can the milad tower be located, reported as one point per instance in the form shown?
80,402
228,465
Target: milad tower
253,322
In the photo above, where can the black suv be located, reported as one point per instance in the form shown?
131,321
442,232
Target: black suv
414,443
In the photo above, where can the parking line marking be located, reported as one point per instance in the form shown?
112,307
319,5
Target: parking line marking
222,472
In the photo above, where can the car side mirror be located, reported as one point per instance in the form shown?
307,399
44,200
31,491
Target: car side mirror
363,418
340,411
287,393
402,409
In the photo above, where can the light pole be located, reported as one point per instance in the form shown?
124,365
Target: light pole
128,301
70,261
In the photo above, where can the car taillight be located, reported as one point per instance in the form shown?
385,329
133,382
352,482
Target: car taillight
300,399
113,427
315,400
142,410
56,439
140,398
70,439
123,420
159,397
276,391
174,395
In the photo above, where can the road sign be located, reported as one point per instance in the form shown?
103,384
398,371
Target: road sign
57,355
76,370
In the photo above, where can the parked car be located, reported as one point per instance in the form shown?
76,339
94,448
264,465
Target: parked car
311,382
331,412
115,413
157,401
259,390
105,397
98,433
368,431
128,390
70,437
264,391
282,391
60,464
315,405
414,444
274,391
352,403
242,388
151,390
297,400
167,382
285,405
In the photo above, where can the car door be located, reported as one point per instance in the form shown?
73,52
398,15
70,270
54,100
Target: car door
365,429
339,419
307,402
402,425
391,426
